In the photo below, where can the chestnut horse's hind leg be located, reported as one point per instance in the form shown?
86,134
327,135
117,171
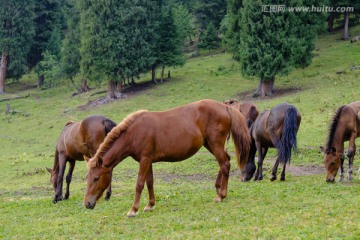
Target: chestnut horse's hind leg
150,187
261,155
144,167
223,175
69,177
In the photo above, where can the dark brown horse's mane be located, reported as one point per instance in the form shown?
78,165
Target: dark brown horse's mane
333,127
113,135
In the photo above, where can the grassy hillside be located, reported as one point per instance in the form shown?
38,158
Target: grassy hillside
301,207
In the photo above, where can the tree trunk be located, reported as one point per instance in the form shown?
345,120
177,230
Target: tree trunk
114,89
265,88
346,34
153,74
169,74
84,86
3,70
330,22
41,80
162,73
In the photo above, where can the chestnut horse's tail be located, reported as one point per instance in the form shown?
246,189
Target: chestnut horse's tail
240,135
253,114
288,140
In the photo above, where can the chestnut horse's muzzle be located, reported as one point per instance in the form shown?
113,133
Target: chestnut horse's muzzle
88,205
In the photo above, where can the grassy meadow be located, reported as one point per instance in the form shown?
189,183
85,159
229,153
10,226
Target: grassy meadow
302,207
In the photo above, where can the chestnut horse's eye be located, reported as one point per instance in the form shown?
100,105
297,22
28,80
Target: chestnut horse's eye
96,179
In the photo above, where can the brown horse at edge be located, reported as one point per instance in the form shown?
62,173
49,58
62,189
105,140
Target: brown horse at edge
77,139
168,136
345,126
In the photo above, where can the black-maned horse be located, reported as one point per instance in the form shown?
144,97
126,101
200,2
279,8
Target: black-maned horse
275,128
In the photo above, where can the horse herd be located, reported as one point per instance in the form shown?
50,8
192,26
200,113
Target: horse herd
178,133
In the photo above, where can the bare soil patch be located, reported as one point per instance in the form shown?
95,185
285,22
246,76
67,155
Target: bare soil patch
247,96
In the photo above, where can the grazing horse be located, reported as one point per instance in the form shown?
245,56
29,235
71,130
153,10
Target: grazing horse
168,136
277,128
248,110
77,139
345,126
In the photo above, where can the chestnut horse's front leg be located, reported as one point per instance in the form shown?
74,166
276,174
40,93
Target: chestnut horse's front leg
342,158
150,187
144,167
62,166
108,190
69,177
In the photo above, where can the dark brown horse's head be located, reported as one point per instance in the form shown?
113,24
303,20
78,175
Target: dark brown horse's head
98,179
53,177
247,172
332,160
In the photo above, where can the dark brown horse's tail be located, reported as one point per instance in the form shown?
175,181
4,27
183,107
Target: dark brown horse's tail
240,135
108,124
288,142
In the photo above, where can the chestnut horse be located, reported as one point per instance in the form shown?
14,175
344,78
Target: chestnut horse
168,136
77,139
345,126
277,128
248,110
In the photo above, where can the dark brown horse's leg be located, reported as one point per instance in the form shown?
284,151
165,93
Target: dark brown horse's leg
274,171
108,190
351,154
69,177
150,187
142,175
259,174
282,177
62,166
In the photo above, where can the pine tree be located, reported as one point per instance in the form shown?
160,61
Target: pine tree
210,38
169,43
48,17
273,43
16,34
116,40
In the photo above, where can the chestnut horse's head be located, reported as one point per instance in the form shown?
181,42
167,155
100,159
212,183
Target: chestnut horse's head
53,177
332,160
98,179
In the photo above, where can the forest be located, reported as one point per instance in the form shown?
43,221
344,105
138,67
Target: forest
114,42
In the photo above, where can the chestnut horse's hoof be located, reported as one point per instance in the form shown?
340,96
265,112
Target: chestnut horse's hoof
132,213
149,208
217,199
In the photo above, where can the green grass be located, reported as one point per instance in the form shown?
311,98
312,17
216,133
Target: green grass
303,207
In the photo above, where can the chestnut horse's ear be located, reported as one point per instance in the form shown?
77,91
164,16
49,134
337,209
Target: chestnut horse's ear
86,158
99,162
49,170
322,149
332,150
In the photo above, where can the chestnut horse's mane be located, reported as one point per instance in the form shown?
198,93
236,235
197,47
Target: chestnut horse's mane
113,135
333,127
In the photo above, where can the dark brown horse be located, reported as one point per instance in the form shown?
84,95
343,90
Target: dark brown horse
345,126
77,139
273,128
168,136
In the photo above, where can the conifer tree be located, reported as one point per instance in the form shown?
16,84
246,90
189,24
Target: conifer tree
16,34
274,43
